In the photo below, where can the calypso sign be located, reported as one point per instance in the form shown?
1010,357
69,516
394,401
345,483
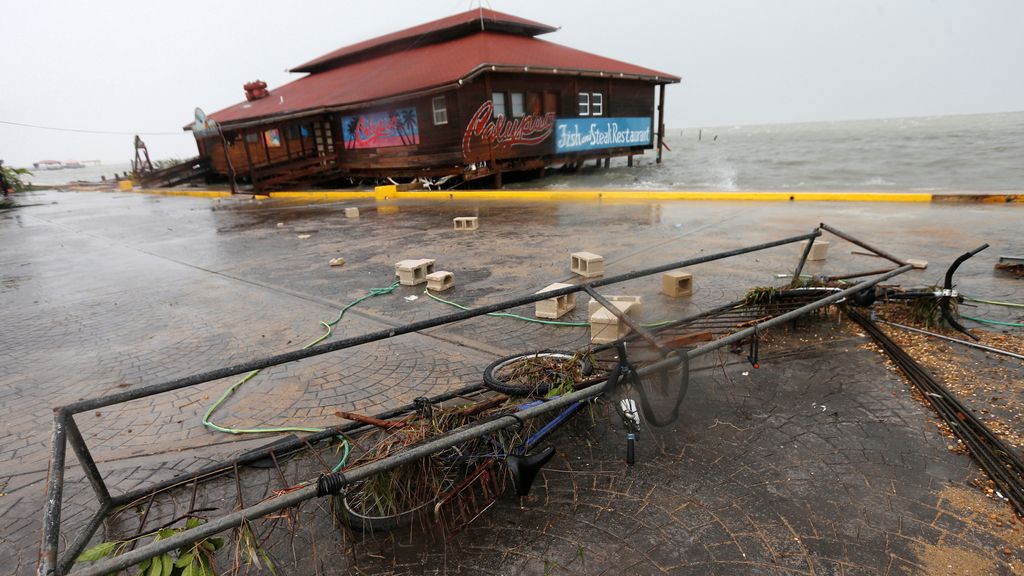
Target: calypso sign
502,133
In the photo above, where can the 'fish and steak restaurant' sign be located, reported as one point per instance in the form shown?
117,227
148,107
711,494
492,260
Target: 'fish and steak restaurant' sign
578,134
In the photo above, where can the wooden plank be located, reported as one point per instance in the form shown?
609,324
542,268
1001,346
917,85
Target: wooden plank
690,339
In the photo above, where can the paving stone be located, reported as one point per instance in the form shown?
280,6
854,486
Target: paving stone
753,479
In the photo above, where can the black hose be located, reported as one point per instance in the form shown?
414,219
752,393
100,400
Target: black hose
948,285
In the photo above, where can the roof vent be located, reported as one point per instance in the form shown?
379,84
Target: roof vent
256,90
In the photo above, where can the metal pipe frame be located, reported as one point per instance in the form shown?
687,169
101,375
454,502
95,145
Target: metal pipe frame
957,340
342,479
63,433
863,244
625,318
803,260
852,275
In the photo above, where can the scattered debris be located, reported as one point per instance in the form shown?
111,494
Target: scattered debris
440,281
1012,264
337,261
993,454
303,236
466,223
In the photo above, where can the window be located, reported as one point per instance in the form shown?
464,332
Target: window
518,105
498,98
440,110
596,104
584,104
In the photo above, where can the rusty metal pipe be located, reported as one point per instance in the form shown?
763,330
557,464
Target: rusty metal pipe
862,244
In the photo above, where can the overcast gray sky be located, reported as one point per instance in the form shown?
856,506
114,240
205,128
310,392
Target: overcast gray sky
142,66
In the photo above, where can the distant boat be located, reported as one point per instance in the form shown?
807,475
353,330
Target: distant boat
56,164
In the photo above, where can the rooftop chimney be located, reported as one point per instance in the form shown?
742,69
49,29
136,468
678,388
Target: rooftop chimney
256,90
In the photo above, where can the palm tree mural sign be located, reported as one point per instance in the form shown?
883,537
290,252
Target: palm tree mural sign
381,129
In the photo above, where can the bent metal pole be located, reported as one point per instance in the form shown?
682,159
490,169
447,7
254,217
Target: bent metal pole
440,443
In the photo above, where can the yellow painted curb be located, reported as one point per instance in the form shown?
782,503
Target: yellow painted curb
171,192
327,195
384,193
648,195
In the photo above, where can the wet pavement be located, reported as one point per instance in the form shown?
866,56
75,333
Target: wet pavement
107,291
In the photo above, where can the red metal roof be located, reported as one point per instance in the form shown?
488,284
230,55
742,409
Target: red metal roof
426,67
476,20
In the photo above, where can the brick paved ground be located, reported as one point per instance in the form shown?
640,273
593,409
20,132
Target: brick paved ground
104,292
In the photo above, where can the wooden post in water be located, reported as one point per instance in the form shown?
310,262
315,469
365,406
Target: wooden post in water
661,118
227,160
248,158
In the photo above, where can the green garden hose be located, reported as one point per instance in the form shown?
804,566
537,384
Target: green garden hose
329,330
996,322
995,302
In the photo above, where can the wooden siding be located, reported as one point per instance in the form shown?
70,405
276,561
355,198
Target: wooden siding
440,149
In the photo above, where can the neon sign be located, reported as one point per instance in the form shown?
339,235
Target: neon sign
381,129
502,133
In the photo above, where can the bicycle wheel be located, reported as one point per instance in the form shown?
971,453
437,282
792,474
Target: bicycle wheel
501,376
376,520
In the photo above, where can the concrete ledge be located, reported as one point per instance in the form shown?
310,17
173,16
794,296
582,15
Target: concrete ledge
175,192
615,195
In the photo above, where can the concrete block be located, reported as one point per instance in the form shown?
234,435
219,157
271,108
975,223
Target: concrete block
466,223
554,308
587,264
819,250
620,301
606,327
440,281
676,283
918,264
413,272
351,212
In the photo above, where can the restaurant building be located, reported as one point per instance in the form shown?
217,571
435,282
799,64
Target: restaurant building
469,96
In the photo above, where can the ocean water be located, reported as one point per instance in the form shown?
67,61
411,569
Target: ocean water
84,174
982,152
